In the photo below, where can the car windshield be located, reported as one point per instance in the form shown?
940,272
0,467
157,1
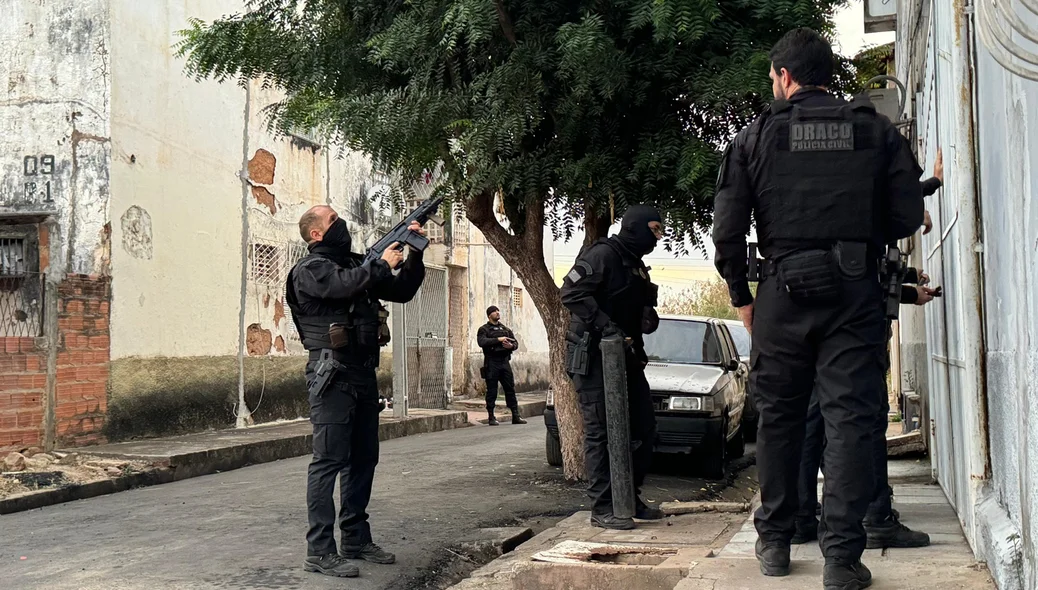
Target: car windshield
742,340
683,342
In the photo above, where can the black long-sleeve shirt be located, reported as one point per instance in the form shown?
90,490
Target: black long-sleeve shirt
736,197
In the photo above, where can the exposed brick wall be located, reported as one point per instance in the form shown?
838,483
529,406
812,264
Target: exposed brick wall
83,354
23,387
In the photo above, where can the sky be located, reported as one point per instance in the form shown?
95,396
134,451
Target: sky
850,39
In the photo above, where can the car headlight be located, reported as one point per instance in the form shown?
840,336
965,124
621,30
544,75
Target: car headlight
550,400
691,404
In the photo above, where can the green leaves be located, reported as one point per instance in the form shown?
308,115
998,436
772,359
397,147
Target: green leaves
557,104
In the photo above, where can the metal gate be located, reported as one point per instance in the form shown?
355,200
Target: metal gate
950,256
423,348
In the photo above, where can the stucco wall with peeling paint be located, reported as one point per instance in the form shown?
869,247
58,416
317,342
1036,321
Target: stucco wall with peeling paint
54,125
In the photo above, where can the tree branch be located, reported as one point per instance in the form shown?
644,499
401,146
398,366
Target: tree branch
506,22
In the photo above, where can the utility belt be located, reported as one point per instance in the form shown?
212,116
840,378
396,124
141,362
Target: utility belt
332,363
814,277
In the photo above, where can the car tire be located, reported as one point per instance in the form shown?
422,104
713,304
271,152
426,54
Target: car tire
714,462
749,421
737,446
553,450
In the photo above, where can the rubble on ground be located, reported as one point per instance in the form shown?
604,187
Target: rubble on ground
32,469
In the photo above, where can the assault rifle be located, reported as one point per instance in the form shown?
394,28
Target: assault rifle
423,213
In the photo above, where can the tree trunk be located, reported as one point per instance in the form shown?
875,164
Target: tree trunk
525,254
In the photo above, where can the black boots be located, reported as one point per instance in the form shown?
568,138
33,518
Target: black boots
608,521
773,558
838,576
331,565
516,418
890,533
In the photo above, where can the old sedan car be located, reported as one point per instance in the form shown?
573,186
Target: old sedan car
698,389
741,337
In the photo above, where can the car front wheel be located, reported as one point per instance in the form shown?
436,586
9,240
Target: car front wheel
716,456
553,450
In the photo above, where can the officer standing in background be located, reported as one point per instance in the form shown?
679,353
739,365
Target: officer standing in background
883,528
498,343
607,293
334,297
829,183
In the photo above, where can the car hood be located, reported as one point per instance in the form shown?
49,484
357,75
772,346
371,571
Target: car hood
682,378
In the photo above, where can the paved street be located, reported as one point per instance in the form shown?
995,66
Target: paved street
244,529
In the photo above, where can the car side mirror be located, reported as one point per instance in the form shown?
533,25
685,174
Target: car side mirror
733,365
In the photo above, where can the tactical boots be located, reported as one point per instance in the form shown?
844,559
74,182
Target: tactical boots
773,558
643,511
369,552
516,418
890,533
608,521
493,420
839,576
331,565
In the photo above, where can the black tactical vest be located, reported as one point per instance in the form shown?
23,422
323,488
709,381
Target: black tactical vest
629,291
360,316
821,182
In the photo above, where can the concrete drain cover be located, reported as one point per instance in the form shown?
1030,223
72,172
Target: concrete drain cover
585,552
605,566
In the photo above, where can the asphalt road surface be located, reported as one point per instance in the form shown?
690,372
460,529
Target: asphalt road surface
245,529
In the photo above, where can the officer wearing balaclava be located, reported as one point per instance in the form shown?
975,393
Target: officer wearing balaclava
608,292
334,297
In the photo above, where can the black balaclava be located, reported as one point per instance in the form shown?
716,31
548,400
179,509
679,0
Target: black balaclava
635,234
336,243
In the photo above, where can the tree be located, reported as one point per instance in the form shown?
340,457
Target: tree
563,111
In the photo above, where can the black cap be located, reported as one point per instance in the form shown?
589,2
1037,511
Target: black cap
491,310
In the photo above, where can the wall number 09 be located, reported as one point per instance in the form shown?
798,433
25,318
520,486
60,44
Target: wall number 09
38,165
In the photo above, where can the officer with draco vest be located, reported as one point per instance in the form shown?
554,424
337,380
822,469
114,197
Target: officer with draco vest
829,184
334,298
608,292
498,343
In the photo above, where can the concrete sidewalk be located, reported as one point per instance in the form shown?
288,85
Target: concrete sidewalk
193,455
715,551
530,404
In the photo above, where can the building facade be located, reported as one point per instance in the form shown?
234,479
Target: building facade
148,224
972,80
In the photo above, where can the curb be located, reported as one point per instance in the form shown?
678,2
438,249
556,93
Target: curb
85,491
196,464
527,409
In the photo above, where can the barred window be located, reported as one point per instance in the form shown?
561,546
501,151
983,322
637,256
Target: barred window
12,257
21,282
266,263
517,297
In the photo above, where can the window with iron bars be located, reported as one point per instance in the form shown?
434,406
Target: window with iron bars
21,283
266,263
295,253
517,297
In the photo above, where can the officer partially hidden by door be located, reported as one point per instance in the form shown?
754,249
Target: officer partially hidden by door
498,343
829,184
334,300
608,292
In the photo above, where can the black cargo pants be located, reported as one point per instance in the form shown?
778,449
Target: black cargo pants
880,507
345,421
500,371
835,350
591,395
